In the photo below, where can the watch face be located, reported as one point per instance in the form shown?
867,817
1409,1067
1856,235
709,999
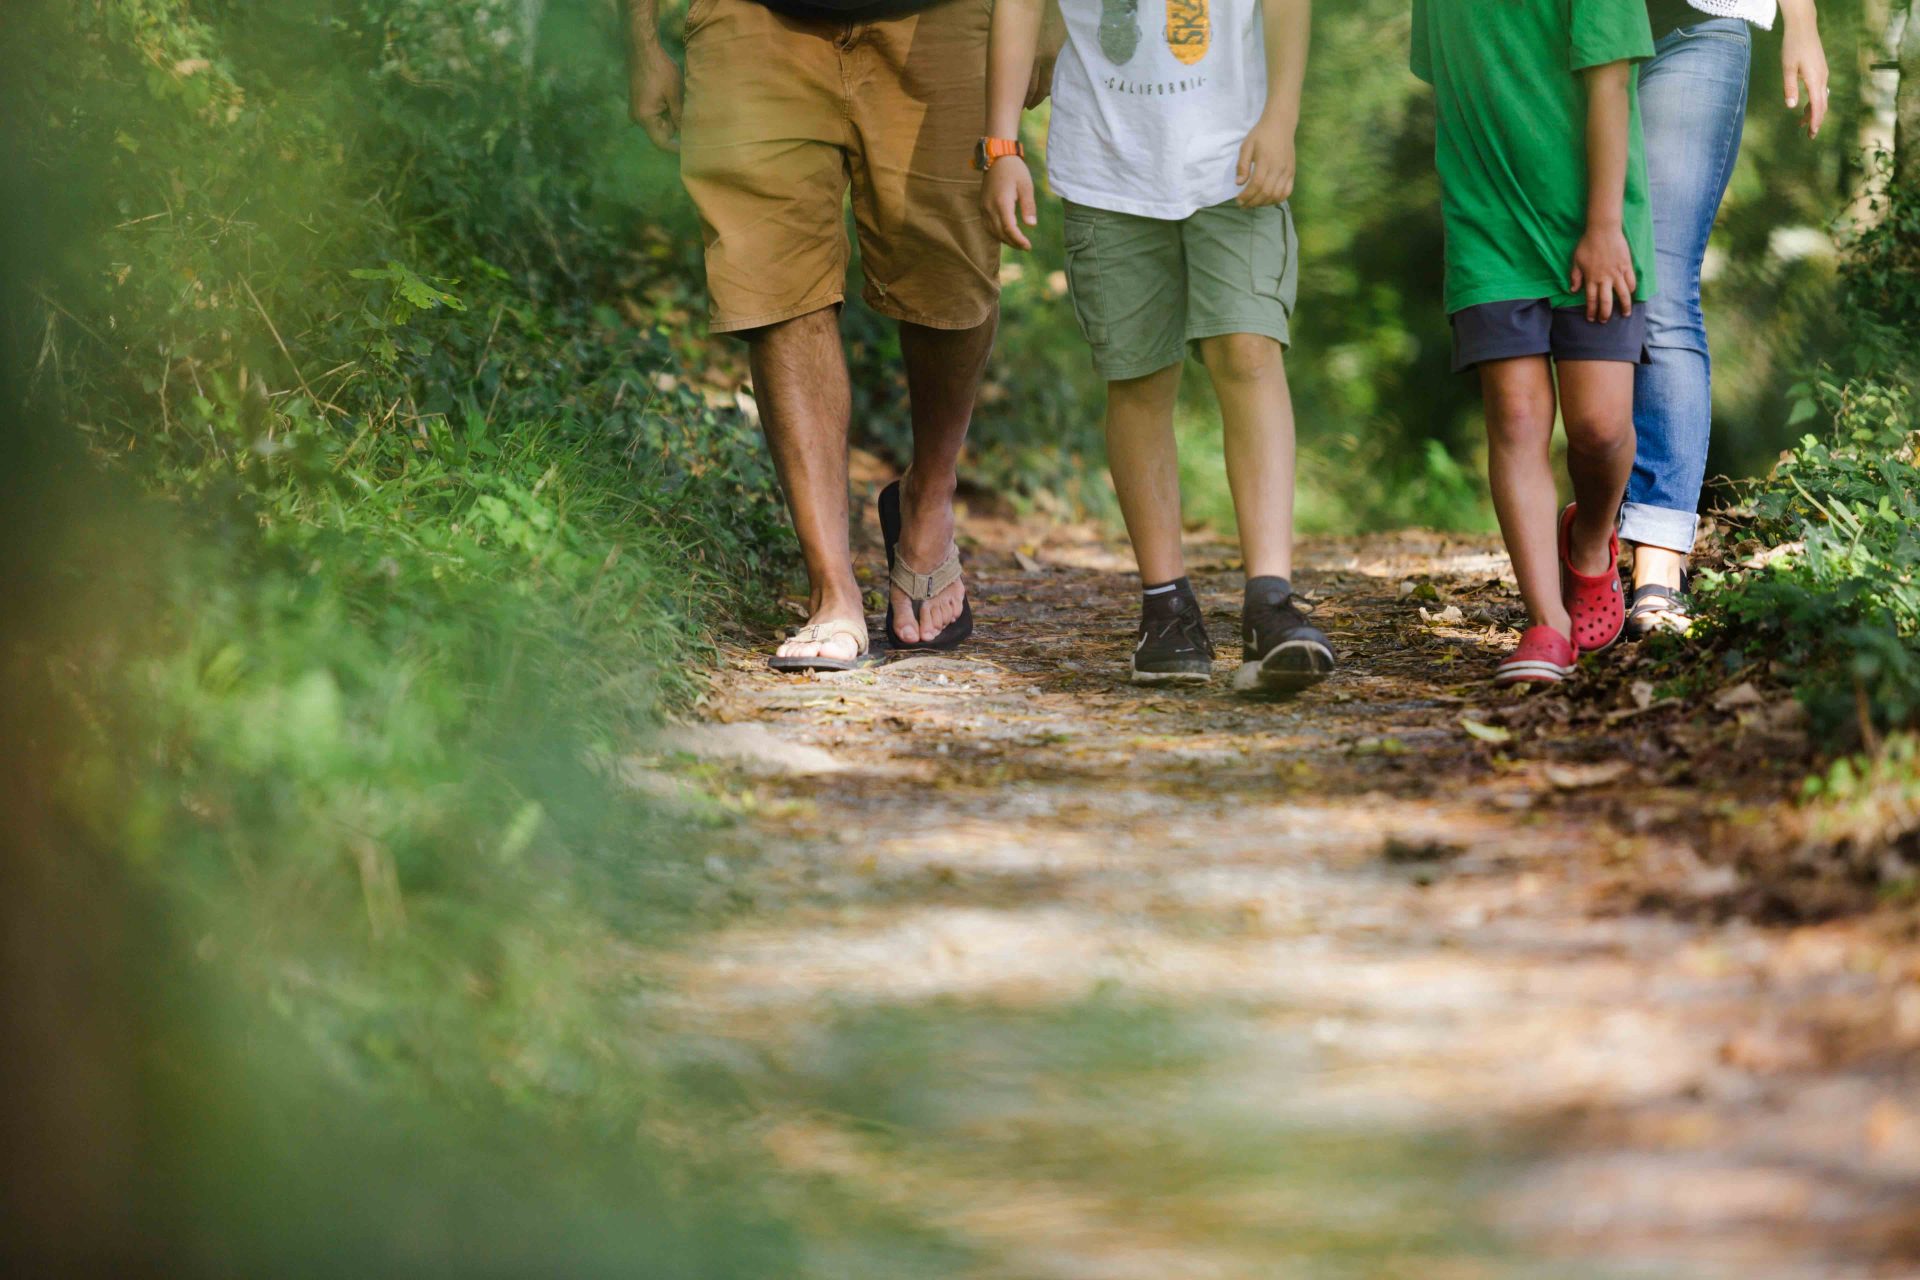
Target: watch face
980,154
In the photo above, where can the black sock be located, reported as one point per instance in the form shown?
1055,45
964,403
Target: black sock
1268,590
1179,591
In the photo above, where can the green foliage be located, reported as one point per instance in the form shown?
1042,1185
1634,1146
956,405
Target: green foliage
1832,601
409,525
1839,608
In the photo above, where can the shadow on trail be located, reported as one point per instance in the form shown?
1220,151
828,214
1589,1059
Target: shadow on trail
1100,982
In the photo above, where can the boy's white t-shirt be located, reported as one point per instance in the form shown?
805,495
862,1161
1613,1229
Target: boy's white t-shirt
1151,101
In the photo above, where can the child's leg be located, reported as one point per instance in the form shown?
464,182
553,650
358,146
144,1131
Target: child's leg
1596,406
1520,406
1250,377
1146,469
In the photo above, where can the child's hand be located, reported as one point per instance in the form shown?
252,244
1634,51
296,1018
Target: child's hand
1603,267
1265,173
1006,194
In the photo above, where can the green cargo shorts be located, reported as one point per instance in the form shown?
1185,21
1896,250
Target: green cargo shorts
1143,288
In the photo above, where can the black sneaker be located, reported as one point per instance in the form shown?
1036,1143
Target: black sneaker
1281,652
1173,647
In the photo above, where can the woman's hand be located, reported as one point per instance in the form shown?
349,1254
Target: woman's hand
1006,196
1602,268
1265,171
1803,62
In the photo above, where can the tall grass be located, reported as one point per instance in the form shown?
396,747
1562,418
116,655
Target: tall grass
367,515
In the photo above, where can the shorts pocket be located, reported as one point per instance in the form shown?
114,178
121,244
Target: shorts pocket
1083,279
1274,256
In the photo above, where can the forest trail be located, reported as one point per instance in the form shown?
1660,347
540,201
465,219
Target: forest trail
1069,980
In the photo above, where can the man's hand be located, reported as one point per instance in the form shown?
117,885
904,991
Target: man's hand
653,95
1006,196
1803,62
1265,171
1602,268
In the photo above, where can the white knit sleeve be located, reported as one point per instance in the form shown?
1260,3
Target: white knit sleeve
1759,12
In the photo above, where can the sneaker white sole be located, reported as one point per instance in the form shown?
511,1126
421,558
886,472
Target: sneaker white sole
1262,677
1138,676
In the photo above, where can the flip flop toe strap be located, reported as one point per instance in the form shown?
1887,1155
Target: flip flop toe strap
922,587
825,632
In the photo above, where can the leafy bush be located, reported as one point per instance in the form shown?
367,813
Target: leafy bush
1835,602
1827,592
405,519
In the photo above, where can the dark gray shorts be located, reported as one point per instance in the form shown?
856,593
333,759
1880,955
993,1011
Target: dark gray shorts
1504,330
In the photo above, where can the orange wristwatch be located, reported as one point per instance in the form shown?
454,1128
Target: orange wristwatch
987,150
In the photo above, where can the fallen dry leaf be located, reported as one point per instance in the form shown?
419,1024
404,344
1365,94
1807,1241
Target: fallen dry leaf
1574,777
1486,732
1762,559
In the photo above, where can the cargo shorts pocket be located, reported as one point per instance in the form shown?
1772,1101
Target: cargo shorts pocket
1083,279
1275,256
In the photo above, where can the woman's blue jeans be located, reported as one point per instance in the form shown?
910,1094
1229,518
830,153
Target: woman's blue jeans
1693,102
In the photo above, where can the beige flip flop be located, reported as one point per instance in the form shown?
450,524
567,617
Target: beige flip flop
919,587
820,633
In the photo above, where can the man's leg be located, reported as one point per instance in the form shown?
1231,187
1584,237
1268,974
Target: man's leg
927,258
800,384
943,377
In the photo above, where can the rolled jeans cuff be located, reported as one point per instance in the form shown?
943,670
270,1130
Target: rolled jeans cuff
1659,527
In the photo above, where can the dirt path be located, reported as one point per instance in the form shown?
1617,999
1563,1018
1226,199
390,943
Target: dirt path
1045,976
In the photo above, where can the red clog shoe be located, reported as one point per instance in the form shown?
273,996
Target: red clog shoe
1543,656
1598,608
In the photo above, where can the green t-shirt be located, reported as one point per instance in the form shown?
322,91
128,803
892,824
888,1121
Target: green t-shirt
1511,149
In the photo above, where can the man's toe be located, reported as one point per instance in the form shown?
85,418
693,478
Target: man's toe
903,620
950,605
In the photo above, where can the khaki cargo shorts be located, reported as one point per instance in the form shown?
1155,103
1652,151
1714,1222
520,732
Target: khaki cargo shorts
1145,288
784,115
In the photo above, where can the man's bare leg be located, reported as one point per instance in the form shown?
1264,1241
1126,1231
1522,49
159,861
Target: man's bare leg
800,383
943,377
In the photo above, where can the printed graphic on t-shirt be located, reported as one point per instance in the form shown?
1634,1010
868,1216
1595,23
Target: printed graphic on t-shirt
1119,30
1152,100
1189,31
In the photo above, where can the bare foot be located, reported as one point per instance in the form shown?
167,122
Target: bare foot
1657,566
926,531
836,613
